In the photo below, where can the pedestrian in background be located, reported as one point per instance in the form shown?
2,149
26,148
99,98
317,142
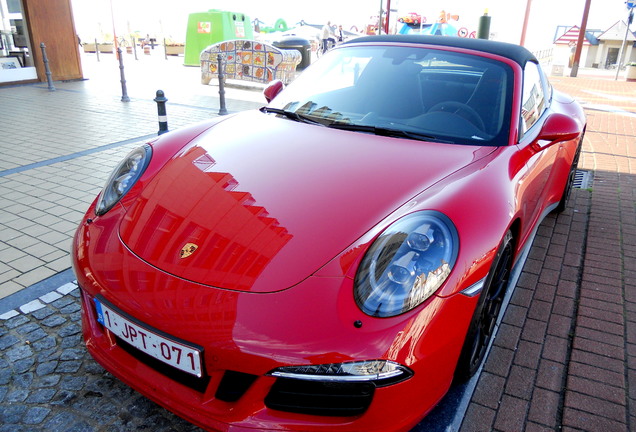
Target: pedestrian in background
327,36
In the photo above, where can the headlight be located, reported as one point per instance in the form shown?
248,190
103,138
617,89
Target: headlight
123,178
380,372
408,262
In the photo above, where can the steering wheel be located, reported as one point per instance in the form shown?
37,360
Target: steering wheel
454,107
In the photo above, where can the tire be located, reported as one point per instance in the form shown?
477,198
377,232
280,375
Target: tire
563,203
484,319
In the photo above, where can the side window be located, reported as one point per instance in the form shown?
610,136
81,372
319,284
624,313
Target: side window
533,100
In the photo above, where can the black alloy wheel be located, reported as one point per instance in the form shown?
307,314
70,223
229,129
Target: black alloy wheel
484,321
560,208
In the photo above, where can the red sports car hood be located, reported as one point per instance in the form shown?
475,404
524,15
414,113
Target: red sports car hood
259,203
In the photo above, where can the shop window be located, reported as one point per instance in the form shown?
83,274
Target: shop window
16,62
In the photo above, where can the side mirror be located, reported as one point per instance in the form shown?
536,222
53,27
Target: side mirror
272,90
558,128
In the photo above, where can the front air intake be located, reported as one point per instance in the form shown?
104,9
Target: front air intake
233,385
322,398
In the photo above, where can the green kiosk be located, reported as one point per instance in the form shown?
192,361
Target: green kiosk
207,28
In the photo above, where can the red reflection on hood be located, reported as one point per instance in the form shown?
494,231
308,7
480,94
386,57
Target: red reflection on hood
233,238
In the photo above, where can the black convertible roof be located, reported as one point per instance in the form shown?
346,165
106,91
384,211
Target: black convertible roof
514,52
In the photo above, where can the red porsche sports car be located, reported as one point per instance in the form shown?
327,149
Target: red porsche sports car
336,259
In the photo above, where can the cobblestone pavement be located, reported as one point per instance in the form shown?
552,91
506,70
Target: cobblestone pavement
563,357
48,381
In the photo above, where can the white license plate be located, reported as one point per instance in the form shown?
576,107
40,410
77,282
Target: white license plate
177,354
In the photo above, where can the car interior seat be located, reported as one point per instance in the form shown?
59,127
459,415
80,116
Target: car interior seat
487,99
391,92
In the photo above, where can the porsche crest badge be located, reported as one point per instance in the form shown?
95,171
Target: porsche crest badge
188,250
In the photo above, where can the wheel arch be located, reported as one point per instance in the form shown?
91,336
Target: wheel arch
468,364
515,230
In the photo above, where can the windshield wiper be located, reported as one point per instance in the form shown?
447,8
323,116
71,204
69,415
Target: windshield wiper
389,132
290,115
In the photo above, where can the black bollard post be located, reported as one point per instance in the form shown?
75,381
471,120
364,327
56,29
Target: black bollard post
47,71
222,109
161,112
483,31
124,91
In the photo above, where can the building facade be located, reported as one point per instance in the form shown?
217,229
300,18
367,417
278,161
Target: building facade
24,26
600,48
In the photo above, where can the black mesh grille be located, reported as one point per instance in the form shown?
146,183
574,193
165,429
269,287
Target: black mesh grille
234,385
320,397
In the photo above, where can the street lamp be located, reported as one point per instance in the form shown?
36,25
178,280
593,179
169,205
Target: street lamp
112,17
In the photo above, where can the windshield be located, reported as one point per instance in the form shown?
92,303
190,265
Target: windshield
421,93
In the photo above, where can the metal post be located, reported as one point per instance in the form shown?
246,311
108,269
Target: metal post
526,18
165,49
222,109
579,44
96,49
124,91
112,17
134,42
161,112
621,51
47,71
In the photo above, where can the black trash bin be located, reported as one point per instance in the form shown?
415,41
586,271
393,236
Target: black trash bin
300,44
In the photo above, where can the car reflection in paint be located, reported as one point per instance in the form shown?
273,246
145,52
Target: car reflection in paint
338,258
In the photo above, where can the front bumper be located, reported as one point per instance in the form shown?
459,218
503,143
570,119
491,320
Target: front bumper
245,336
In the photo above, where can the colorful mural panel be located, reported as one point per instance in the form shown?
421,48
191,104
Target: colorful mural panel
249,61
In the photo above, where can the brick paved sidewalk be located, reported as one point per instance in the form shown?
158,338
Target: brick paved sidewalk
564,356
49,382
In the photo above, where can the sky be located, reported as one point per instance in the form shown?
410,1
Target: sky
168,18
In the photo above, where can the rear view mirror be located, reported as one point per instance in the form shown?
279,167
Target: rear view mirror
556,128
272,90
559,127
